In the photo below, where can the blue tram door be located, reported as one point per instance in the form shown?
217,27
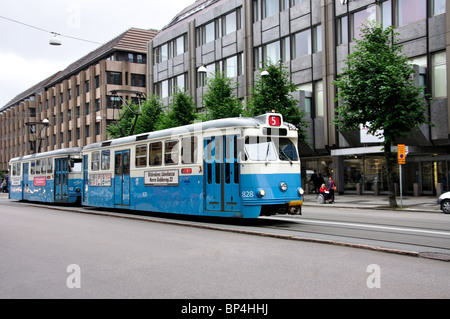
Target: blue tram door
61,179
221,174
85,177
25,181
122,178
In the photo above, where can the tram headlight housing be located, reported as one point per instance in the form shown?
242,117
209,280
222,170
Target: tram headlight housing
283,186
301,191
261,192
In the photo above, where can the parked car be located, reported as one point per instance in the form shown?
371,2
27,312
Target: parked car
444,201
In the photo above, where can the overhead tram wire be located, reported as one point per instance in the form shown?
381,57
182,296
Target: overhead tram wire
47,31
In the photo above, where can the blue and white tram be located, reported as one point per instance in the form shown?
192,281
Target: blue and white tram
50,177
235,167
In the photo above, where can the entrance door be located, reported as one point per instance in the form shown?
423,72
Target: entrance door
122,178
221,174
25,181
61,179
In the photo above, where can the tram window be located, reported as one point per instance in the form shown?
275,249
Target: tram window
171,152
49,166
32,168
155,154
106,160
118,164
141,156
126,163
260,149
38,167
287,150
43,166
76,165
189,150
95,161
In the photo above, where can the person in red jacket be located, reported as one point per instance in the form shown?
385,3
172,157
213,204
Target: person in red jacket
326,193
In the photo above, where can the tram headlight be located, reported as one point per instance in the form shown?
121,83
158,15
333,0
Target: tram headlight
301,191
261,192
283,186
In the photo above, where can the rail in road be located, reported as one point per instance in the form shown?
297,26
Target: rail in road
403,236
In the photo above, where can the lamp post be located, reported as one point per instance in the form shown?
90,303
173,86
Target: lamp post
33,130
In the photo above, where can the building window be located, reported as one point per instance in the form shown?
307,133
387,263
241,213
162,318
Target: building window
179,46
302,43
318,38
270,7
439,7
230,23
439,73
361,18
114,78
411,10
318,99
137,80
206,33
386,14
342,30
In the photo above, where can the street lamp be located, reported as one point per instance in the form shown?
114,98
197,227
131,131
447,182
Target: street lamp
55,40
264,73
202,69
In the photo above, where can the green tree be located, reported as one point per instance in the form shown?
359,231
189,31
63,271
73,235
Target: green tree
273,92
220,101
181,111
136,120
376,87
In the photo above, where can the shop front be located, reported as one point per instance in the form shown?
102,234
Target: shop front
427,174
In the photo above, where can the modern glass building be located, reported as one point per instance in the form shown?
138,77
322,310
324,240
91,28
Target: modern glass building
312,39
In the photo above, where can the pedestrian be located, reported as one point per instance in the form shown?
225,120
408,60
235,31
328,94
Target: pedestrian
314,182
326,193
319,182
4,186
331,188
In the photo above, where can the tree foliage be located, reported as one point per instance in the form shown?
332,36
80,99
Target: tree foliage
220,101
274,92
148,117
181,111
376,88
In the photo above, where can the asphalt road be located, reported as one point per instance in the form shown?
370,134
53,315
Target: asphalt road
46,253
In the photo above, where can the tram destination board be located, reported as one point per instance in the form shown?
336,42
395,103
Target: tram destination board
167,177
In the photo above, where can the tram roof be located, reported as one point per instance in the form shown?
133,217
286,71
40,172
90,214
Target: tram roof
55,153
232,122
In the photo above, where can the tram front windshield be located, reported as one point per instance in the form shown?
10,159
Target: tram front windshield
268,149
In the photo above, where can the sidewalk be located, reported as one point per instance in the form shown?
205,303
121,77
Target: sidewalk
410,203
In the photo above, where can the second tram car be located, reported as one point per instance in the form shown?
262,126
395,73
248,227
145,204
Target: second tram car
50,177
235,167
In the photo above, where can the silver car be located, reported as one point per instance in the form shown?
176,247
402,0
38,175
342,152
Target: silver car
444,201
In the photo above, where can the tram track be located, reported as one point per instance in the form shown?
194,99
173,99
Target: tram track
422,239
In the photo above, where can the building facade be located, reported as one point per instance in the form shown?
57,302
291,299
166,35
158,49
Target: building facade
74,106
312,39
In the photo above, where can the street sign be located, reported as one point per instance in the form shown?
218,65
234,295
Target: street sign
401,149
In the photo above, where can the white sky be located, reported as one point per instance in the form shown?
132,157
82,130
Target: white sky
26,58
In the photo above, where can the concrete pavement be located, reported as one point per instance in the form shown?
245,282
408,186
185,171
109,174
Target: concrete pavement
410,203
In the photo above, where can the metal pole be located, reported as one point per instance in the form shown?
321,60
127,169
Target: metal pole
401,186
